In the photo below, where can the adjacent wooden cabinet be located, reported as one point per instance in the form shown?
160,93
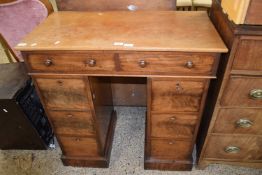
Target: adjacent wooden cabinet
81,55
231,129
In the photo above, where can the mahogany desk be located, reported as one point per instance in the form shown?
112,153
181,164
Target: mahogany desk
72,57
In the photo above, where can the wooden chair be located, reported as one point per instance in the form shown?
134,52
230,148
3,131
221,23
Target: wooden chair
111,5
19,17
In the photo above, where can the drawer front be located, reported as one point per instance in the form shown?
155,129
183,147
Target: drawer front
171,149
71,63
72,123
176,95
64,94
239,121
240,147
159,63
249,54
79,146
243,91
173,125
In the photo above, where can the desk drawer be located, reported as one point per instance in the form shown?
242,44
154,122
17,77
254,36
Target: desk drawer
71,63
239,121
243,91
63,94
240,147
177,95
171,149
72,123
249,54
170,63
173,125
79,146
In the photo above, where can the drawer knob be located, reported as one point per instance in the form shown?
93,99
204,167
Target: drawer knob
142,63
92,63
69,115
173,119
256,94
77,139
232,149
48,62
244,123
189,64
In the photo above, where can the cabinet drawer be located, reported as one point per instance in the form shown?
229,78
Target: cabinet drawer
78,146
61,93
175,95
249,54
243,91
71,63
173,63
240,147
72,123
173,125
171,149
239,121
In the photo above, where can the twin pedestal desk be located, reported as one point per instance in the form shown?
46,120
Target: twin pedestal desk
72,57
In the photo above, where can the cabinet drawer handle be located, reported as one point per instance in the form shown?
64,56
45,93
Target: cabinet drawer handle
69,115
92,63
232,149
256,94
244,123
142,63
77,139
189,64
48,62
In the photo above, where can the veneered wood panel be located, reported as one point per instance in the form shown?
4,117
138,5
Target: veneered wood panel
227,121
119,30
254,15
78,146
129,91
248,54
72,123
109,5
238,89
171,149
63,93
178,125
173,95
250,147
167,63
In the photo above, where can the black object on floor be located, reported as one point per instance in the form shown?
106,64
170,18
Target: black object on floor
23,123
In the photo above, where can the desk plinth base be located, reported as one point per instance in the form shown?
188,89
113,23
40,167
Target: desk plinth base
95,162
155,164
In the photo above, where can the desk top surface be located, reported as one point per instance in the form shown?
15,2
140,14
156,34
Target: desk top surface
120,30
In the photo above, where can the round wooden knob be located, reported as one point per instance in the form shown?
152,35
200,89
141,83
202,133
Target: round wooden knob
189,64
92,63
48,62
142,63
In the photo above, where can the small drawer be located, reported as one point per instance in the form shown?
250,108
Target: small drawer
79,146
238,148
243,91
239,121
248,54
173,125
63,94
170,63
176,95
171,149
71,63
72,123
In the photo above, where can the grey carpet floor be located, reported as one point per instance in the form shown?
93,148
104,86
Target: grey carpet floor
126,158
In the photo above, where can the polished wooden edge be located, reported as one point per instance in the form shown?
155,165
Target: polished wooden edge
95,162
155,164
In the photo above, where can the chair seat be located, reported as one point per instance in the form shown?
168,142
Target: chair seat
183,3
202,3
